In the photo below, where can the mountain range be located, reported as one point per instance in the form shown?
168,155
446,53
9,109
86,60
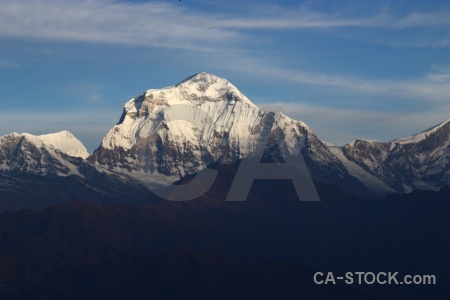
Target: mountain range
80,226
164,135
40,171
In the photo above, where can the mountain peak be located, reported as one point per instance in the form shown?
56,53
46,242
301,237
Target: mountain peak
201,77
63,141
424,134
198,89
444,123
167,133
204,85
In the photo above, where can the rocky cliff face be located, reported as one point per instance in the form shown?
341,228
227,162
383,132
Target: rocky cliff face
420,161
165,134
46,155
39,171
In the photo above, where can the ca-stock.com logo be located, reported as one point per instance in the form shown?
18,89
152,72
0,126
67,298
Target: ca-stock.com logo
250,167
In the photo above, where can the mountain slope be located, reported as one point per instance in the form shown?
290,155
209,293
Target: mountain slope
40,155
37,171
63,141
207,246
168,133
420,161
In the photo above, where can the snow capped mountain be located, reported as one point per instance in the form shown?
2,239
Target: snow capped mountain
167,133
63,141
164,134
420,161
441,128
46,155
39,171
40,155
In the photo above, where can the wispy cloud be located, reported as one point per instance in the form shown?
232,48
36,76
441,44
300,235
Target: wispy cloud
432,88
104,21
177,26
8,64
331,124
89,126
340,125
288,19
88,92
28,119
169,25
418,19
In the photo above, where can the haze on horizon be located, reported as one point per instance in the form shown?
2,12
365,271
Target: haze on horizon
348,69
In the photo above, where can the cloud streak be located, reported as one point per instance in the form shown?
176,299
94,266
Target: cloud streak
308,19
89,126
340,126
148,24
231,36
433,87
335,125
174,26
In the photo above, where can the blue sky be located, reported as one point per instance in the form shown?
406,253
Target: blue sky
349,69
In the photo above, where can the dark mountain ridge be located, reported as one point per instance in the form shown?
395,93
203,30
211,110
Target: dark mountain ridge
270,245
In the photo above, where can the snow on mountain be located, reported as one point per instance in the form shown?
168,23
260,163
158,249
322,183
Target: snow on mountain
420,161
369,179
55,154
63,141
167,133
40,155
39,171
421,136
213,95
